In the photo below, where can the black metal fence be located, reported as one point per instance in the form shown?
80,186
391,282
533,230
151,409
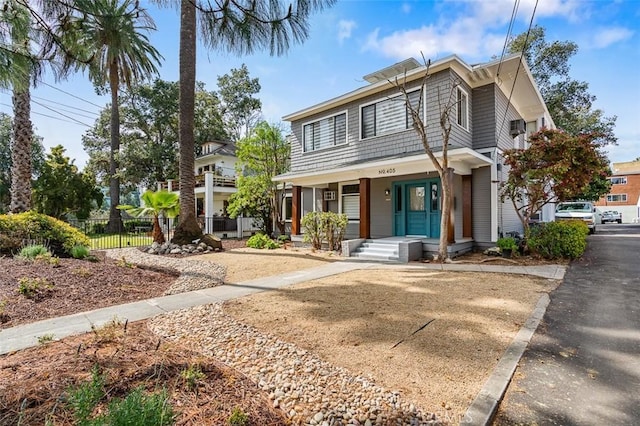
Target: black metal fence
137,232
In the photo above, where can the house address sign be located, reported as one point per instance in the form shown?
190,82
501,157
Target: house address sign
388,171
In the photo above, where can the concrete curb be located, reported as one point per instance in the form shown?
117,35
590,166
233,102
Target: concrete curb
484,407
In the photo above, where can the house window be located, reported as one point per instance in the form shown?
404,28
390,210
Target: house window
462,100
287,207
387,116
617,198
351,201
325,133
620,180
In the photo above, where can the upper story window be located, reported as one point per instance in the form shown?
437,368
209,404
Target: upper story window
325,133
387,116
462,101
620,198
619,180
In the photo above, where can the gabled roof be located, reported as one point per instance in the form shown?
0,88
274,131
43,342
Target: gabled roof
514,76
218,148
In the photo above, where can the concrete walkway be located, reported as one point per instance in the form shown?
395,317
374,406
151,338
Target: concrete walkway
25,336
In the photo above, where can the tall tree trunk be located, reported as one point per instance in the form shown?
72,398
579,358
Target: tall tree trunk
446,179
187,229
21,151
115,219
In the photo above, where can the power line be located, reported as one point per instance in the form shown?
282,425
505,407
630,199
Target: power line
514,12
66,106
58,112
49,116
70,94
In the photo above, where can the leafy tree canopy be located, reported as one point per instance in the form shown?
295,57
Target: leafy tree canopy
61,190
264,154
556,167
240,109
569,101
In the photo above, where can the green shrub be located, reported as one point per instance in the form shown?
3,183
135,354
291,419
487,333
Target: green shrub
60,236
33,251
262,241
507,243
238,418
324,226
84,397
141,409
79,252
29,287
553,240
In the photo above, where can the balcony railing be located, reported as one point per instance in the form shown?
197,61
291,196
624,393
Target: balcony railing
218,181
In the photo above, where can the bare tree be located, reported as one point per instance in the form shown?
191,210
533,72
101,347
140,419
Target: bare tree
446,105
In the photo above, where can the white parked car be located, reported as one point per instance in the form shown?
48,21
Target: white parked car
611,216
579,210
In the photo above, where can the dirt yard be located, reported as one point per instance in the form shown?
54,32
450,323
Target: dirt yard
364,321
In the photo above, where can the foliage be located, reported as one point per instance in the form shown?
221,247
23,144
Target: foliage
569,102
84,397
30,287
240,109
140,408
37,159
324,226
45,338
262,241
238,418
192,376
159,203
62,189
556,167
264,154
79,252
32,251
553,240
507,243
60,236
149,139
236,27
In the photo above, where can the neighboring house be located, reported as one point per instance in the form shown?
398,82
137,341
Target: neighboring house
358,154
215,175
625,191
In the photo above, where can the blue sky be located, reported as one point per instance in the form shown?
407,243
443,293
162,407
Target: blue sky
357,37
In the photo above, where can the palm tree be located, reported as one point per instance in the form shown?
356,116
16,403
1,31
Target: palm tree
18,67
160,203
235,26
106,37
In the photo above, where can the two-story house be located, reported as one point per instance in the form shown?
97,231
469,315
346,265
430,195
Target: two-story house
358,153
625,191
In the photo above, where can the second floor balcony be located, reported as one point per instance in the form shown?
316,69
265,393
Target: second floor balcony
218,182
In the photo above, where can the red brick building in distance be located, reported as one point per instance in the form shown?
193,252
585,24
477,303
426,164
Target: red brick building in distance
625,191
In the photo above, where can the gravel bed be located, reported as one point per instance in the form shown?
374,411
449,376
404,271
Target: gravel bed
309,390
194,273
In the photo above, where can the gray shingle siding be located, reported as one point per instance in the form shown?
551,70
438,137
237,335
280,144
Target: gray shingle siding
484,117
403,142
504,116
481,202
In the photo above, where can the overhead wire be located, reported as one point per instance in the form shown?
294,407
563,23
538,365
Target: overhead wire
514,13
49,116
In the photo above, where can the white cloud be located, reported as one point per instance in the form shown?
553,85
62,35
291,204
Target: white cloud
344,29
604,37
406,8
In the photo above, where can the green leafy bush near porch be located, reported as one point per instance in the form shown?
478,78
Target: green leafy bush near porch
326,227
553,240
262,241
59,236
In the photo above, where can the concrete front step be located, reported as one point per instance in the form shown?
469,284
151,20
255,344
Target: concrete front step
378,250
369,256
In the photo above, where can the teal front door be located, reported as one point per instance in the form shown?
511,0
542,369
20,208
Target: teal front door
417,208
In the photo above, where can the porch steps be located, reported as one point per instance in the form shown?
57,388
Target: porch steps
377,250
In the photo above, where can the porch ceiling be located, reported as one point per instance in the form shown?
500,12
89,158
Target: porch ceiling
462,160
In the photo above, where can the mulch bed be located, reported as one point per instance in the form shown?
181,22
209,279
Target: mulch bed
66,286
128,355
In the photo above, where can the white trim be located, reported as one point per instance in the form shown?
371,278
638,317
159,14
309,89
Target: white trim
346,130
466,95
340,185
463,160
284,206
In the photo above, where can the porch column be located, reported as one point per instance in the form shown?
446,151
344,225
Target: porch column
208,203
467,216
365,210
296,209
451,234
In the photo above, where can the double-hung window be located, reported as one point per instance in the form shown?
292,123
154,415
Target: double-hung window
351,201
617,198
325,133
462,101
388,116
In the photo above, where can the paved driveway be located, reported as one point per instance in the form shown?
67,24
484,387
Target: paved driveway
583,365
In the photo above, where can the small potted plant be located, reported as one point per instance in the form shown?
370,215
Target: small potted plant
507,246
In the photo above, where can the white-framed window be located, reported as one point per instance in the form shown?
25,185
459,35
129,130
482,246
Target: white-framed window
390,115
462,103
287,207
350,200
325,133
618,180
617,198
